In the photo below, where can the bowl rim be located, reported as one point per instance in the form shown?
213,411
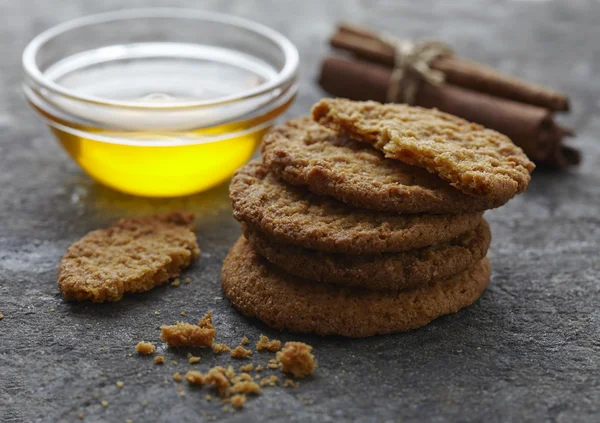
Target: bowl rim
285,76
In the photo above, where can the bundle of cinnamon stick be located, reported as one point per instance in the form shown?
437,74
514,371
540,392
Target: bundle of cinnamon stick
523,111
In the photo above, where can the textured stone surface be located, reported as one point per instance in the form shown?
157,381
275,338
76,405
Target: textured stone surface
527,351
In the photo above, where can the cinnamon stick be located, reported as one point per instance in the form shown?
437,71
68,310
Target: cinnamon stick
368,45
530,127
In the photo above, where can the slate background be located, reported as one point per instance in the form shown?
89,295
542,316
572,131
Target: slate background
529,350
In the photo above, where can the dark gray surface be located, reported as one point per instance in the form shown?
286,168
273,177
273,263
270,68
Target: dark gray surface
529,350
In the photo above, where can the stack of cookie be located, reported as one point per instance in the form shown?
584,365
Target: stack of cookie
366,218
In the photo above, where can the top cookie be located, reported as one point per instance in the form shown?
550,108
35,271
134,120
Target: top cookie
302,152
476,160
133,255
293,215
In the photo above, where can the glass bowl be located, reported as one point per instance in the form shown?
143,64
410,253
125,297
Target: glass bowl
160,102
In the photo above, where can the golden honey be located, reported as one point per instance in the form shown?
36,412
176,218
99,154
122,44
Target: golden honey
160,102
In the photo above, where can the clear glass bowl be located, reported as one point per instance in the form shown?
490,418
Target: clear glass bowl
160,102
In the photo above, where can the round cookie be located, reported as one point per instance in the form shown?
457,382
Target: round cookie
293,215
476,160
302,152
387,271
260,289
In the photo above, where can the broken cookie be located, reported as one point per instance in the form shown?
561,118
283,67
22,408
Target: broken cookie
132,255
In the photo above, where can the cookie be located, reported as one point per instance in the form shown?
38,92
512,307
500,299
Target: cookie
133,255
476,160
302,152
259,289
293,215
379,271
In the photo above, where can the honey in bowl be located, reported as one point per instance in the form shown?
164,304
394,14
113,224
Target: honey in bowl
160,118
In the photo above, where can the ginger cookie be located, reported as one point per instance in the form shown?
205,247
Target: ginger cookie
259,289
389,271
302,152
133,255
293,215
476,160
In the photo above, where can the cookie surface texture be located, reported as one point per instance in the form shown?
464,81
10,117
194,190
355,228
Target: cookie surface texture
302,152
132,255
259,289
476,160
293,215
391,271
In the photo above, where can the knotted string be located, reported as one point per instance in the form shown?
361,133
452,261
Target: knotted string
412,65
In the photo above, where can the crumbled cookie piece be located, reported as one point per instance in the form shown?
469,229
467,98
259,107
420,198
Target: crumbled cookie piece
80,415
187,335
238,400
269,381
219,348
296,358
174,362
259,368
273,364
1,316
120,384
177,377
230,373
194,377
217,378
183,314
176,283
187,280
208,397
242,377
206,321
265,344
193,359
181,391
247,367
104,403
145,348
245,340
159,359
289,383
240,352
246,387
133,255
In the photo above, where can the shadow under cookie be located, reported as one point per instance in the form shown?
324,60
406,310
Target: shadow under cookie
259,289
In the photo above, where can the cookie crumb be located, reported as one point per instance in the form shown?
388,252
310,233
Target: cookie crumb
159,359
194,377
246,387
187,280
145,348
183,314
259,368
245,340
193,359
176,283
80,415
269,381
230,373
104,403
206,321
238,400
265,344
247,367
144,403
128,421
177,377
185,334
181,391
96,395
120,384
219,348
273,364
208,398
174,362
289,383
1,316
217,377
157,313
52,310
296,358
240,352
